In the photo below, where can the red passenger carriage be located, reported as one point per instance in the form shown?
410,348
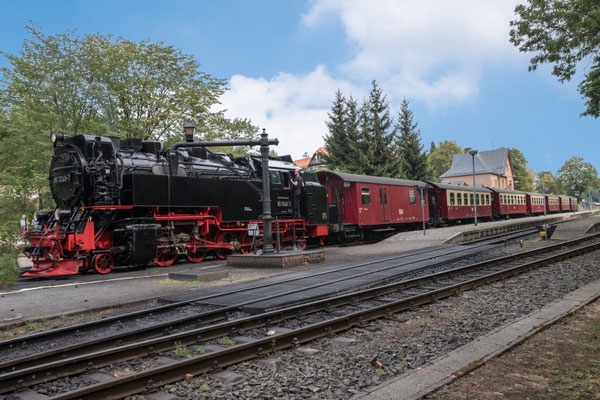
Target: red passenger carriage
535,203
453,202
552,203
509,202
360,203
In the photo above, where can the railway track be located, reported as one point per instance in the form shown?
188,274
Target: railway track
199,315
316,319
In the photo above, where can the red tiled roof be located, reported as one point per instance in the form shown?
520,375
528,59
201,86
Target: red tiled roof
303,163
322,150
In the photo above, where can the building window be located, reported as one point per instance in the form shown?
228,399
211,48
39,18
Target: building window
365,193
413,198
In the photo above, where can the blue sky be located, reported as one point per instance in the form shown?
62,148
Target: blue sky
285,59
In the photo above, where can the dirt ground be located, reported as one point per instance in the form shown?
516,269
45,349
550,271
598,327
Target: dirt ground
561,362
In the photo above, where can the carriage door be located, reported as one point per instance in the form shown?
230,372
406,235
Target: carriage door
335,206
383,202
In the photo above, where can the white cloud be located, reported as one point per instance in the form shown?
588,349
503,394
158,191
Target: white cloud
292,108
430,50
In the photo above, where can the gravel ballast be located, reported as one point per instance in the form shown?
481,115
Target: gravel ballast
405,342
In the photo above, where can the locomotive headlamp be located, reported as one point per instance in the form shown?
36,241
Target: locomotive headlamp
189,130
57,137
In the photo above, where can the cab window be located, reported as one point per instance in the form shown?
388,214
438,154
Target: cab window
275,178
365,193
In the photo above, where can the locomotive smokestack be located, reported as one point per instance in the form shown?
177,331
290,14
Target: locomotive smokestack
189,129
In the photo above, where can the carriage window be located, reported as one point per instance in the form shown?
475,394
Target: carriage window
471,199
366,196
459,199
451,198
380,196
413,198
477,198
487,199
384,196
336,193
466,199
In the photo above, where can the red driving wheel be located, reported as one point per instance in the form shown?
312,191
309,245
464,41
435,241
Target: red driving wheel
103,263
224,237
245,243
194,253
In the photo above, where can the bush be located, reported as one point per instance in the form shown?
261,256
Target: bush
9,269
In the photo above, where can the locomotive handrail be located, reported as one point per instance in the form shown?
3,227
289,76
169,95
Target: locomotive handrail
215,143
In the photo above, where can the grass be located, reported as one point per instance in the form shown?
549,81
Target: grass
181,350
32,326
226,341
200,350
204,389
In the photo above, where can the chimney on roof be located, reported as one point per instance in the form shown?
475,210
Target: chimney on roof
467,150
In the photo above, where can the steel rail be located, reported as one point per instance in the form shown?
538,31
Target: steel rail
149,380
164,329
46,371
91,325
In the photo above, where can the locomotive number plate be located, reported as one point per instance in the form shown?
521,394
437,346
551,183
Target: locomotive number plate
284,203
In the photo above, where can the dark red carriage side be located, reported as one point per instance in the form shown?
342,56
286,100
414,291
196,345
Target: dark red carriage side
360,203
509,202
454,202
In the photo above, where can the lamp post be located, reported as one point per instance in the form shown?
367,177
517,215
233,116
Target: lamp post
473,153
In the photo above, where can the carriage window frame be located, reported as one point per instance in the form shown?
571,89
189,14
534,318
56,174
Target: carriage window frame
412,197
459,199
365,194
451,198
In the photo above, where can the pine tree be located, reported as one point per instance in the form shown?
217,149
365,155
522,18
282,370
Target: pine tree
378,136
355,157
431,147
409,147
336,142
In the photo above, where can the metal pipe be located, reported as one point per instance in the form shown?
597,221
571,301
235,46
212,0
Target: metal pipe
214,143
472,153
266,197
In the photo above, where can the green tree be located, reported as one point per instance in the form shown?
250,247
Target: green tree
440,159
565,33
523,179
550,183
337,141
96,84
577,176
431,147
409,146
99,84
377,136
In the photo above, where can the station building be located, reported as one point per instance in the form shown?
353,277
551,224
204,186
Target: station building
493,168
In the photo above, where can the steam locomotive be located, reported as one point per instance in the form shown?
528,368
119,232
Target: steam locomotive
131,201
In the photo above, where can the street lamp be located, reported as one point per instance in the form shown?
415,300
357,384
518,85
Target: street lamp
473,153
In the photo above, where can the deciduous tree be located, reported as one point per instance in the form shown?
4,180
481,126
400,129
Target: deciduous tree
565,33
440,159
577,176
523,179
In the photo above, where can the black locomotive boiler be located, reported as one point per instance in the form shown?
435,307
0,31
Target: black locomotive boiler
130,201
